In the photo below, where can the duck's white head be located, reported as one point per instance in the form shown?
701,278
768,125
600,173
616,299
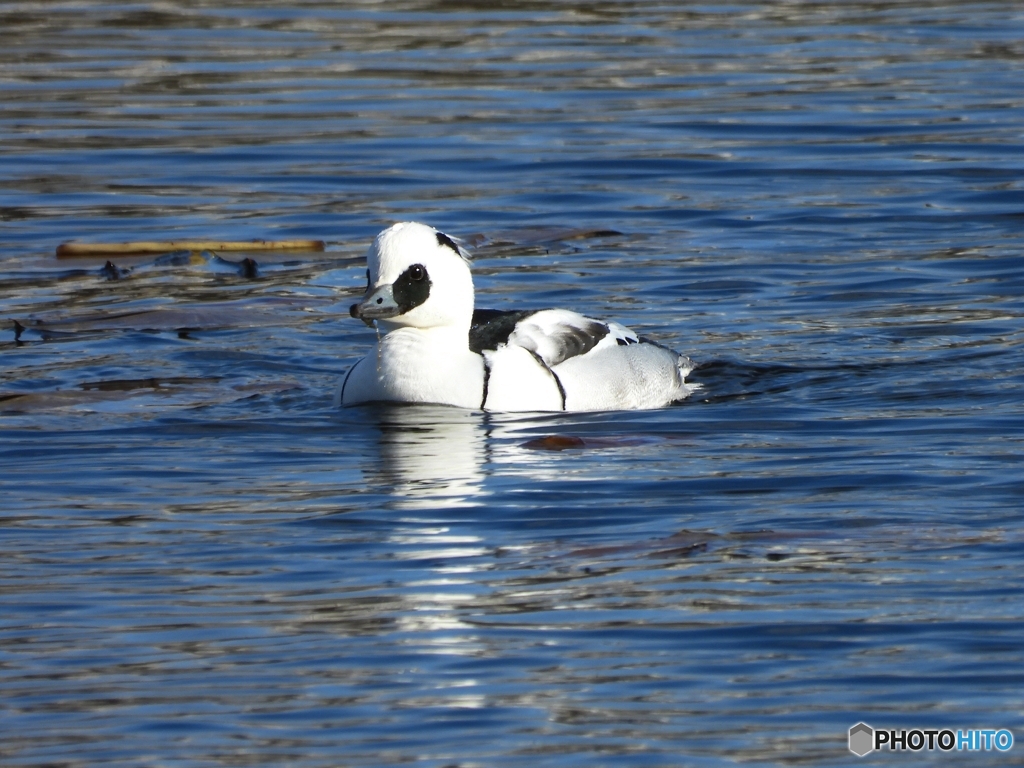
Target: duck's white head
418,277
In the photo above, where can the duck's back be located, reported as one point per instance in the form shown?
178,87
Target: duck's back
553,360
624,377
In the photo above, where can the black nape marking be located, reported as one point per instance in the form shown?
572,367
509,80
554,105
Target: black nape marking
444,240
411,288
491,328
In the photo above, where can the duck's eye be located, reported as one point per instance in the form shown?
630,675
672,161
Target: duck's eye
417,272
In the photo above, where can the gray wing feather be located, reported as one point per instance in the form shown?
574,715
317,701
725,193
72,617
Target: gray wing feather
555,335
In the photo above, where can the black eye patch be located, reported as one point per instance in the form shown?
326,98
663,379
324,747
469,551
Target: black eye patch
411,288
444,240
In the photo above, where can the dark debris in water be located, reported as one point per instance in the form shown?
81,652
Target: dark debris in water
203,316
573,442
96,392
681,544
538,236
127,385
806,548
247,267
184,391
111,271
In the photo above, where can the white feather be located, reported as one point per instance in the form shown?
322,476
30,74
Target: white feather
519,382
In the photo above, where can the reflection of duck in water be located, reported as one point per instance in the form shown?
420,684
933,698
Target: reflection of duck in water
431,457
437,349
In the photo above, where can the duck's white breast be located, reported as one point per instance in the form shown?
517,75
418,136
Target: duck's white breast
417,366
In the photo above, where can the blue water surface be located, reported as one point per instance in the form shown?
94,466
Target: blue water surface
204,563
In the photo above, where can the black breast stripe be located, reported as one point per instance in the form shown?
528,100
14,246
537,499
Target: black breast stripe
487,379
341,398
561,389
558,382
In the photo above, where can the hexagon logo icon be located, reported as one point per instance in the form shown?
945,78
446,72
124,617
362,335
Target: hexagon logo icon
862,739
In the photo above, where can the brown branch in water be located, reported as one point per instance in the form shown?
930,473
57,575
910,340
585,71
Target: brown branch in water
71,250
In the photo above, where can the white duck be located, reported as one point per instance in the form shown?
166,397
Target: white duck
437,349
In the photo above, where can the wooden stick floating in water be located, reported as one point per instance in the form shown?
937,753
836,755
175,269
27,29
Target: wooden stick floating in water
70,250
